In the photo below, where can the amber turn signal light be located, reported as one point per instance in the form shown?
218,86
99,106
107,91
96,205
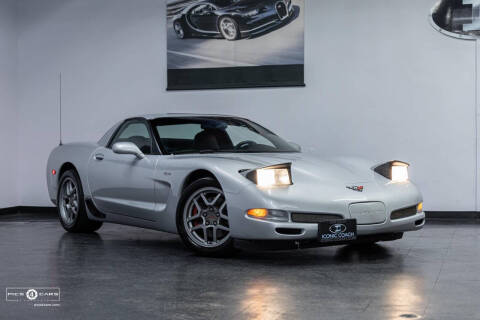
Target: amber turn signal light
420,207
257,213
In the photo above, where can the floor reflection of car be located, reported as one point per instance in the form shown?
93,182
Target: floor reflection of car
231,19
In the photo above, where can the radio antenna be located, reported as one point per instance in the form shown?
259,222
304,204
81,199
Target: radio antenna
60,106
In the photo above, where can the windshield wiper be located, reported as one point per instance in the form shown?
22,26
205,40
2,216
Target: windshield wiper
208,151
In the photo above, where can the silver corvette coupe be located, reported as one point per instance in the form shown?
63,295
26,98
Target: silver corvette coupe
221,182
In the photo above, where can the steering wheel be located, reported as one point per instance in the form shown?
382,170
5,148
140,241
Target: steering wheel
245,144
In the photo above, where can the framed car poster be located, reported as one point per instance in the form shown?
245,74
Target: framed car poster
218,44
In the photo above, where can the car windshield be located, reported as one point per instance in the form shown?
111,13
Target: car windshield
216,134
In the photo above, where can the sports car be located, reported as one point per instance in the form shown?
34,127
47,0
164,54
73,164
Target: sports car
222,182
231,19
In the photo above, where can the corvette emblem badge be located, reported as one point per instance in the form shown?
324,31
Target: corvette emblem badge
356,188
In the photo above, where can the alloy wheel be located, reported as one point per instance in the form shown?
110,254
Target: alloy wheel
205,218
69,201
228,28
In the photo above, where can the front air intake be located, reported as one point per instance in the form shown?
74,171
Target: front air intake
289,231
282,10
314,217
403,213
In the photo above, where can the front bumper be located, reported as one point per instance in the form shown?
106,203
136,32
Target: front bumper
330,200
268,230
311,243
261,23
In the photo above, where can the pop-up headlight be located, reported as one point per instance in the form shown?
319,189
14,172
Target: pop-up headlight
397,171
274,176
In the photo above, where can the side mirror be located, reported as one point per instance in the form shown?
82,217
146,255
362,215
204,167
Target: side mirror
128,148
296,146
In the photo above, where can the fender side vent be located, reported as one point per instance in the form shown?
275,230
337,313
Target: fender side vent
93,210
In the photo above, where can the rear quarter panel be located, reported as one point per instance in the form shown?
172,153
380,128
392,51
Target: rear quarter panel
76,154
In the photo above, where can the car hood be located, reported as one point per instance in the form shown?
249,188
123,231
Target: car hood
309,166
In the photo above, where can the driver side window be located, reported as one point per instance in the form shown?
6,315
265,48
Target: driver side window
137,133
209,9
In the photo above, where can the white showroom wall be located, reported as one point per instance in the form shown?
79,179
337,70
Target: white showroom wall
8,111
381,83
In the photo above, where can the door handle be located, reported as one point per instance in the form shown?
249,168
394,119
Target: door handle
99,157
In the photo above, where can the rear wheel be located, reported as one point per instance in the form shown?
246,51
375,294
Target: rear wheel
179,30
202,218
71,205
229,28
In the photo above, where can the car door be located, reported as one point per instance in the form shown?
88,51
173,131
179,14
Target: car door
122,183
203,17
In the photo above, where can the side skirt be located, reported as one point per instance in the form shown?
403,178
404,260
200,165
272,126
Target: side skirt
93,210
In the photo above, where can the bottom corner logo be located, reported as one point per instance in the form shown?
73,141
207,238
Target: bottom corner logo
44,294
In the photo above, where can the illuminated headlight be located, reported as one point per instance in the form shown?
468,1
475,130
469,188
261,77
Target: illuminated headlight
252,13
397,171
275,176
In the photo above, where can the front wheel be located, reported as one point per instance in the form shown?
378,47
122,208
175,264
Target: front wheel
229,28
71,205
202,219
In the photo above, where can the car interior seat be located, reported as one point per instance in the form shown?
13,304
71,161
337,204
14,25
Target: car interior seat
213,139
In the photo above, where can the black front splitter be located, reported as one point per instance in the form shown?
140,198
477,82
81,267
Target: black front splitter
307,244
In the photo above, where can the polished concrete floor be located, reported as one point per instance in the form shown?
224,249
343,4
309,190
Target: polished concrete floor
130,273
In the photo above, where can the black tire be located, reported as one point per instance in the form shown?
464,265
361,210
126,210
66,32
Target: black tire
224,249
234,34
80,223
179,29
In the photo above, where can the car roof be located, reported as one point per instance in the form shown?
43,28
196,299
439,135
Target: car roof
182,115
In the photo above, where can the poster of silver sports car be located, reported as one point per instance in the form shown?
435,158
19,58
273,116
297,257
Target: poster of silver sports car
214,44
